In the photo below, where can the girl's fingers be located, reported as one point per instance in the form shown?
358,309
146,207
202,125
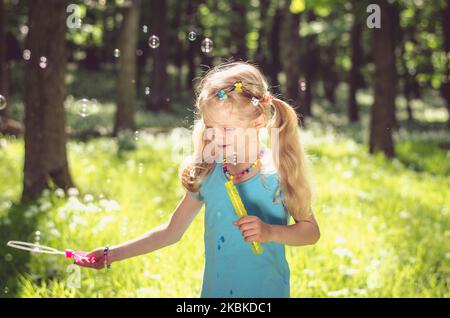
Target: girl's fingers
252,238
246,219
247,226
249,233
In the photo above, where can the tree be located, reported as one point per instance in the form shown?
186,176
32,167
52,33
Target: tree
126,76
446,31
45,137
3,63
274,44
238,28
291,58
355,76
159,98
381,123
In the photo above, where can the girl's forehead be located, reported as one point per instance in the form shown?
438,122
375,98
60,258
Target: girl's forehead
222,117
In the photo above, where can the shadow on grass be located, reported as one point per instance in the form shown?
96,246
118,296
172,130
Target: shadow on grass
14,226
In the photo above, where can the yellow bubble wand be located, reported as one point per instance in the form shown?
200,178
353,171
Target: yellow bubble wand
239,207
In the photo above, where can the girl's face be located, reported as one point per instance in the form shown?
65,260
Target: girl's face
232,133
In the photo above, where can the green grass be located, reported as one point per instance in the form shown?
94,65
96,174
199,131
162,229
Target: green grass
384,224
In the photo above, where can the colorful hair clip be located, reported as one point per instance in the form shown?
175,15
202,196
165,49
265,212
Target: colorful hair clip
255,101
222,95
238,86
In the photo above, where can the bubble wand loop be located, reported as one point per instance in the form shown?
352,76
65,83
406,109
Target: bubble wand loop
79,258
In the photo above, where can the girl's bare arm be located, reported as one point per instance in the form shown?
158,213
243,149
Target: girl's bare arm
160,236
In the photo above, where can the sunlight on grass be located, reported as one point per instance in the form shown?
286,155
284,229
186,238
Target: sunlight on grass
384,224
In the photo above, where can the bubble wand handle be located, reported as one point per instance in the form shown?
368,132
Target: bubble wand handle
239,207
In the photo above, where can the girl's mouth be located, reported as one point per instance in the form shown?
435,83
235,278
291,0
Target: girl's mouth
224,146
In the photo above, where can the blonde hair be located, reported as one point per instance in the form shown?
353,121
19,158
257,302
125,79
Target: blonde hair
291,161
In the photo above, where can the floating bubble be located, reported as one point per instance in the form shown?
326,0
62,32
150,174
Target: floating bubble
145,29
3,102
6,290
26,54
116,53
153,42
147,91
302,85
84,107
24,29
136,135
140,168
207,45
192,36
139,52
8,257
43,62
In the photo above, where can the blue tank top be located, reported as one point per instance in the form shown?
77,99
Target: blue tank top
231,269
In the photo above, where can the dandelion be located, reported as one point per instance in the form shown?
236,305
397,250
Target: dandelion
342,252
73,192
339,239
59,193
405,214
88,198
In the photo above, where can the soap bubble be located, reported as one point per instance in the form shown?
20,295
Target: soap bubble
147,91
8,257
207,45
145,29
3,102
139,52
84,107
153,42
116,53
43,62
302,85
136,135
140,168
192,36
26,54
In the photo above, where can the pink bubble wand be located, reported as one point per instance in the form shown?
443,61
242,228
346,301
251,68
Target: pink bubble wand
79,258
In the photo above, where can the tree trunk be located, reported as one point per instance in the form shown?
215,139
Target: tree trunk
381,124
446,30
159,98
261,56
355,75
238,27
126,76
311,62
45,137
274,44
291,58
179,52
194,46
3,61
330,75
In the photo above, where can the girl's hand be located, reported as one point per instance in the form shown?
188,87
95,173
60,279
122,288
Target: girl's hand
253,229
99,259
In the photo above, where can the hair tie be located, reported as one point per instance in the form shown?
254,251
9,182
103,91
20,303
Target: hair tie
267,100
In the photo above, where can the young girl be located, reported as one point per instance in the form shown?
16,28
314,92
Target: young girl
273,184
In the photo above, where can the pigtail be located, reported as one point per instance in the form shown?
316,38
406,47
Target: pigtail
290,160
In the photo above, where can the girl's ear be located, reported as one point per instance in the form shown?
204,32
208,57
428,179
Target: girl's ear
260,122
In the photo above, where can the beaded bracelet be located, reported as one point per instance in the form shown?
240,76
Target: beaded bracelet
105,253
